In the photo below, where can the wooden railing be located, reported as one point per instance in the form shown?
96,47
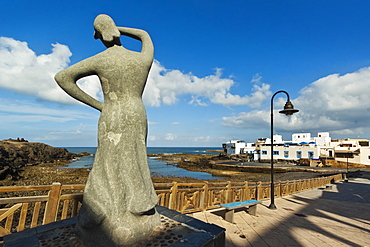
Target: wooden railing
192,197
31,206
24,207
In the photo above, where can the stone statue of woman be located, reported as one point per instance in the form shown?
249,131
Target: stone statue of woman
119,200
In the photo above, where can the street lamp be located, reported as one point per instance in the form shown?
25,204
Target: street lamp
348,152
288,110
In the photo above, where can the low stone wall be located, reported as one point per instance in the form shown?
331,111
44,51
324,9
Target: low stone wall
341,164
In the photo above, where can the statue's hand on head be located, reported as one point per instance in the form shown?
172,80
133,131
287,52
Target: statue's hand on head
107,31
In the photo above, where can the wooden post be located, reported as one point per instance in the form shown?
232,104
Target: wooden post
173,196
22,217
52,204
65,209
228,192
74,208
8,223
294,186
204,197
280,190
259,191
35,215
247,191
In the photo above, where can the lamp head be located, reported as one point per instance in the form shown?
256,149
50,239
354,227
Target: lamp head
288,109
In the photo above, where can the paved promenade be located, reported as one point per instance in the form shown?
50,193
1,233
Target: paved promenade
319,217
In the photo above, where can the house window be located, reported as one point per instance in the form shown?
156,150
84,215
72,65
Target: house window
276,152
286,154
299,154
310,155
264,152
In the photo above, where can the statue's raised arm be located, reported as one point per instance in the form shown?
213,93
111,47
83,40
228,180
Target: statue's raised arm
147,44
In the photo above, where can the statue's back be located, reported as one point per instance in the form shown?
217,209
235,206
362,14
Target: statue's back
122,72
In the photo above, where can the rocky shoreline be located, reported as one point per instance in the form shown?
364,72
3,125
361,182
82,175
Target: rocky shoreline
46,174
44,171
18,155
213,164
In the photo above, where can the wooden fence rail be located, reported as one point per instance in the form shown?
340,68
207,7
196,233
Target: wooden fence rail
24,207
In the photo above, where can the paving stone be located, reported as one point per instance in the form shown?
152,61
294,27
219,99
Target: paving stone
339,217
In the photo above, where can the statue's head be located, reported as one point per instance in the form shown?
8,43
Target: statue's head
106,30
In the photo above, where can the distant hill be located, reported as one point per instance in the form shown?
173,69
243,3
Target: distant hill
19,153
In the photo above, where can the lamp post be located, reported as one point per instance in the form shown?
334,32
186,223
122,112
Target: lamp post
288,110
346,179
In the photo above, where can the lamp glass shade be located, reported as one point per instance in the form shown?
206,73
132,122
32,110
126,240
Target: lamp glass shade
288,109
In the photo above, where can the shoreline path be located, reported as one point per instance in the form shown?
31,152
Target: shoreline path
319,217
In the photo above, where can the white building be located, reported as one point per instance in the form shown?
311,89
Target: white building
234,147
322,139
301,138
278,139
249,148
303,146
352,151
289,152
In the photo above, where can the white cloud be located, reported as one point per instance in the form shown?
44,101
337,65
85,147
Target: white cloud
152,138
36,122
91,85
338,93
11,118
22,71
201,138
175,123
348,131
40,122
38,128
170,137
196,101
68,136
336,103
165,86
152,123
25,109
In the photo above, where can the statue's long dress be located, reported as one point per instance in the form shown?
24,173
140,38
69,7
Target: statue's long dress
119,197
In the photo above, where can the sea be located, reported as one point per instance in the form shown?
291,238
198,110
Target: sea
157,168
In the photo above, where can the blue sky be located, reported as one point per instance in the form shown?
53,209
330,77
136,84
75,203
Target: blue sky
217,64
